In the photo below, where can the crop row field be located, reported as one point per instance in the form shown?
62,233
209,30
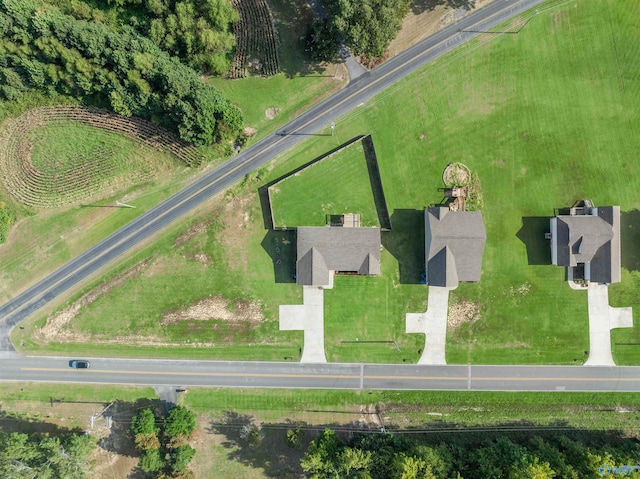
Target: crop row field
257,40
544,117
54,156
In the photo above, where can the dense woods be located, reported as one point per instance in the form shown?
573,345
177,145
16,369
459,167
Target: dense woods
387,456
24,456
366,26
43,48
197,31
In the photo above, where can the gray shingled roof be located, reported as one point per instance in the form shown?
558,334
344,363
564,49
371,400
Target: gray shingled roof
454,246
326,248
589,239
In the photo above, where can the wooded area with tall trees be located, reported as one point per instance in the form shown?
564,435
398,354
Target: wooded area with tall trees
197,31
43,48
24,456
366,26
386,456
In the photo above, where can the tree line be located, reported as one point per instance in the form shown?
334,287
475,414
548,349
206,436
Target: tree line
386,456
46,49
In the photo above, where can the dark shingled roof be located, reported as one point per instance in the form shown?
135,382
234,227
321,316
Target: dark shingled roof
327,248
592,239
454,243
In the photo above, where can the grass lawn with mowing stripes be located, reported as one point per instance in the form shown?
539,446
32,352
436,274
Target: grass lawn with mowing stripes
335,185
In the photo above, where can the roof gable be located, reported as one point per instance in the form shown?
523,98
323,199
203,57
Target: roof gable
326,248
454,246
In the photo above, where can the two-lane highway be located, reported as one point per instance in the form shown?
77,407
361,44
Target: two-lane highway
216,181
325,376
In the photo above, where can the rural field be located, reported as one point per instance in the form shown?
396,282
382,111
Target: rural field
453,417
544,117
43,239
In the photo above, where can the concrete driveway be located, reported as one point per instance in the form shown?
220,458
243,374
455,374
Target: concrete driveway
602,319
308,317
433,324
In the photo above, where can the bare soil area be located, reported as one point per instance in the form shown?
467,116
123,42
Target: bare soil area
426,17
216,307
461,313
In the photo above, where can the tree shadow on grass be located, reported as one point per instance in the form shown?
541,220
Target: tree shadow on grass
421,6
406,243
27,424
532,234
271,454
267,451
630,240
293,19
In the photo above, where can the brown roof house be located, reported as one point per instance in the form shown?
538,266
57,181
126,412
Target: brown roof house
587,242
454,243
323,250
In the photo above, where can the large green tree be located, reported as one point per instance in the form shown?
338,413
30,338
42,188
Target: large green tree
366,26
40,47
52,457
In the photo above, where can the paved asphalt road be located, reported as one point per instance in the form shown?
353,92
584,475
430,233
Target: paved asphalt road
325,376
318,117
293,375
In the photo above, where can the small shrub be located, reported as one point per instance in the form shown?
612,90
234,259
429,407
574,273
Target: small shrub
295,438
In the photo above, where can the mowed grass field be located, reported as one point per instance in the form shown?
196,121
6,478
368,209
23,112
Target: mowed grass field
474,416
335,185
545,117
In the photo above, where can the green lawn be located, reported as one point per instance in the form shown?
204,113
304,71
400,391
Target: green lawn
299,86
545,117
411,408
15,393
335,185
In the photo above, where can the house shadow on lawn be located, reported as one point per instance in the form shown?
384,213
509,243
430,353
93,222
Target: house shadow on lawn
630,240
280,245
532,234
405,242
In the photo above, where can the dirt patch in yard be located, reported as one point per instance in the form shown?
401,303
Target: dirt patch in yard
271,113
464,312
216,307
56,327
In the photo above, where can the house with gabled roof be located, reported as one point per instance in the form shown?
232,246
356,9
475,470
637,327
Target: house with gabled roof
587,242
454,243
323,250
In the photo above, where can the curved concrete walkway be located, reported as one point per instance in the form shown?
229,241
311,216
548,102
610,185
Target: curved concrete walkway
433,324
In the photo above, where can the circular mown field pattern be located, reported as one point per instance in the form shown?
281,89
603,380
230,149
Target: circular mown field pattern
55,156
